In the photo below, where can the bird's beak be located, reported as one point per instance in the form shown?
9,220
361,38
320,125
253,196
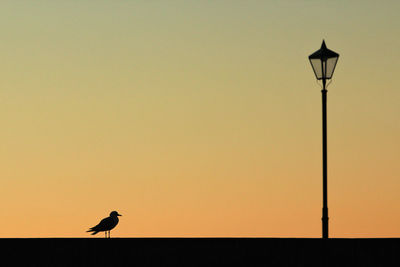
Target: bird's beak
119,215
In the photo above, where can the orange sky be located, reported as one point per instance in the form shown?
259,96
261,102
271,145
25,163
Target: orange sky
197,118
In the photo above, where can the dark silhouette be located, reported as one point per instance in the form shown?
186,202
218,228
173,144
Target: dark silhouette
275,252
323,63
106,225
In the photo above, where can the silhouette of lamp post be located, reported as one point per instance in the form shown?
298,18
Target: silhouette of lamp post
323,63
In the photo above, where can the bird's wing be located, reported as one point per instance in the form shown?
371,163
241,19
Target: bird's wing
105,225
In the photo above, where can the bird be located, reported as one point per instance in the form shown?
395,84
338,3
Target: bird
106,225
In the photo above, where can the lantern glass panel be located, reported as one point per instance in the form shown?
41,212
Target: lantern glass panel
330,66
317,67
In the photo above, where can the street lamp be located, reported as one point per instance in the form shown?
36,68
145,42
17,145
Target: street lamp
323,63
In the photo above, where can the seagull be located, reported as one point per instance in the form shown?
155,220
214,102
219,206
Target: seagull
106,225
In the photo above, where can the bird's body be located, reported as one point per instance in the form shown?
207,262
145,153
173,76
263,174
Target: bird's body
106,225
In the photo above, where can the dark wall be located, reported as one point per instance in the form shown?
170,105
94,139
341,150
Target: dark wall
200,252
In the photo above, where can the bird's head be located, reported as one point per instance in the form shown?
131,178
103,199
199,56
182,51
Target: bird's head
114,214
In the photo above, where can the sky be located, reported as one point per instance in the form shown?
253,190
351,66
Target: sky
197,118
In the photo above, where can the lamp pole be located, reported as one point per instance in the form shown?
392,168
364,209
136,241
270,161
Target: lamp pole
323,62
325,218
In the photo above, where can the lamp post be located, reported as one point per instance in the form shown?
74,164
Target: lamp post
323,62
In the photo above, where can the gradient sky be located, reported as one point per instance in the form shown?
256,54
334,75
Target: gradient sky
197,118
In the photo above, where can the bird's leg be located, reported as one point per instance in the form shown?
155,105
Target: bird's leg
105,234
109,232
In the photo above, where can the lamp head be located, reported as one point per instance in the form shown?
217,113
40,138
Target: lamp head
323,62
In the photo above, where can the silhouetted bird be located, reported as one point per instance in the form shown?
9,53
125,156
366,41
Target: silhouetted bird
106,225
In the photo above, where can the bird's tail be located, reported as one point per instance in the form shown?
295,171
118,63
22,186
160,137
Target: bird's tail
91,230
